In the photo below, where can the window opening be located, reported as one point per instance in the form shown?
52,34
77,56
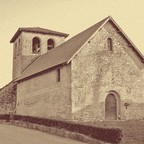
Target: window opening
50,44
36,45
58,75
109,43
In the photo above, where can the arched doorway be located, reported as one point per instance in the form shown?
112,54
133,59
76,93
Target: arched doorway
111,107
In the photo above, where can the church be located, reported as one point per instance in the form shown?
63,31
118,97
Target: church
94,76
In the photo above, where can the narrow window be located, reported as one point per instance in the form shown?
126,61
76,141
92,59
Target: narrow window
15,51
19,43
58,75
15,45
109,43
50,44
36,45
19,46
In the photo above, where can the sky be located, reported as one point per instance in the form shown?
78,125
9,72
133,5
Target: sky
69,16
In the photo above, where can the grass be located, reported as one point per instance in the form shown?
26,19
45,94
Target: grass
133,131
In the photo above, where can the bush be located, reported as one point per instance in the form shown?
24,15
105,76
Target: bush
5,117
107,134
112,135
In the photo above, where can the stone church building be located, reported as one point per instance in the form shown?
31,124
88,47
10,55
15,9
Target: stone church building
96,75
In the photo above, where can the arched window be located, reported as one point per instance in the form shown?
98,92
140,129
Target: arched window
110,44
50,44
36,45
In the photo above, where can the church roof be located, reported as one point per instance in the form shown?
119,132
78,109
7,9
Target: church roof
36,30
65,52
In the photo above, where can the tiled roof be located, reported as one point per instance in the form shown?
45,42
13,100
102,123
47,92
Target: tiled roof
36,30
64,53
61,54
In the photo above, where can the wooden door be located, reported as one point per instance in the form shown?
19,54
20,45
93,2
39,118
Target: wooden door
110,107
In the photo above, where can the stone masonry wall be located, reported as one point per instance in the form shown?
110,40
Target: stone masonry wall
8,99
17,57
27,56
43,96
96,71
23,55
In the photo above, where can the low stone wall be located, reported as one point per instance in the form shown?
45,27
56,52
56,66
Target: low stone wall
8,98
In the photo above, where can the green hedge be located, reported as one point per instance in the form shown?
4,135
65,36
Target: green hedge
112,135
107,134
5,117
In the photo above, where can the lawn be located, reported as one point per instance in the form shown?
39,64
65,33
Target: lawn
133,131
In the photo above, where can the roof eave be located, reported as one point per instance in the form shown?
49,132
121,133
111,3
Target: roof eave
15,35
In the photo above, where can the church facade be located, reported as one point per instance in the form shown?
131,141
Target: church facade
96,75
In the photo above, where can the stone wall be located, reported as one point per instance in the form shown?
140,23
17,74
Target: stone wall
43,96
17,57
8,99
23,55
97,71
85,83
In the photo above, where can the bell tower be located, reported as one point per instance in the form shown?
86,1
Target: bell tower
30,43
